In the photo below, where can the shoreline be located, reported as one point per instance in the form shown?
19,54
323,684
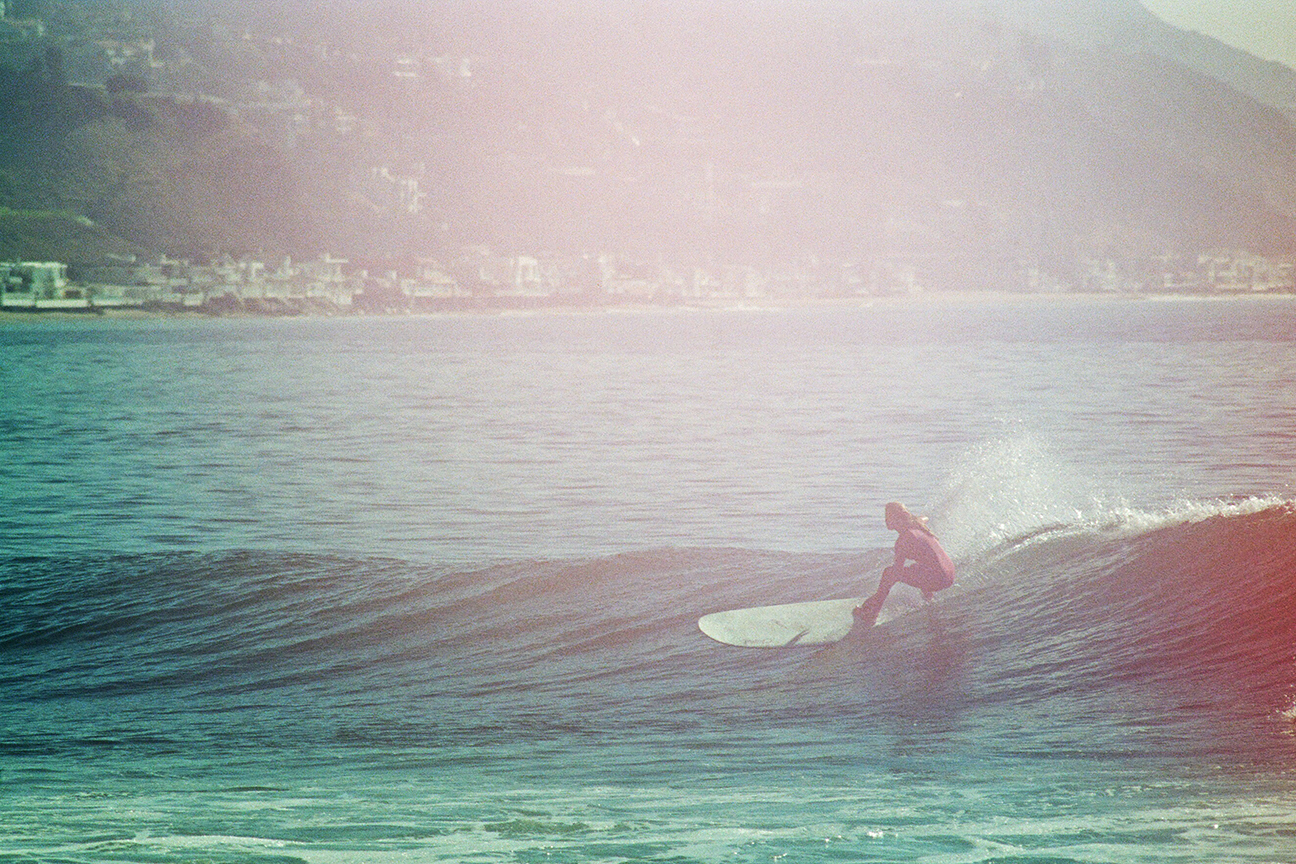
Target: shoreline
752,304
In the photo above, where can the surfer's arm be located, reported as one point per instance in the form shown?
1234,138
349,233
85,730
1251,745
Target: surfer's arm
901,553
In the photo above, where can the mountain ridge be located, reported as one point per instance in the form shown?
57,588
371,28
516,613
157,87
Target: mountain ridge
952,134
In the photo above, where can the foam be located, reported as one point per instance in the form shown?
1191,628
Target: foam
1014,488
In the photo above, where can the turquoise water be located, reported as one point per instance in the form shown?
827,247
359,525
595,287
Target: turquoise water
425,589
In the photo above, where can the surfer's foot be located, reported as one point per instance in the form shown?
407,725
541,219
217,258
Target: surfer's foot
866,613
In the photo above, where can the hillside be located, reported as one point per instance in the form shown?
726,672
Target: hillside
952,134
57,237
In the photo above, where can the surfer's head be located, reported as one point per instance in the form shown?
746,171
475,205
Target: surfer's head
898,518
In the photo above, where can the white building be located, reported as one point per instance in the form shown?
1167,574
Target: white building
38,285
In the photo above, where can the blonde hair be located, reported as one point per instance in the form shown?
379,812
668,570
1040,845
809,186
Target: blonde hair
899,518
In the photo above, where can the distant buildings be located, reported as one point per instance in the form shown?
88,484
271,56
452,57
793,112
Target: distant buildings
37,284
481,278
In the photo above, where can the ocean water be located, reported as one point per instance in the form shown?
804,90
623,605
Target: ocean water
426,589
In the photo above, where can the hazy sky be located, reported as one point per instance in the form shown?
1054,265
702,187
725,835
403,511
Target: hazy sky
1266,28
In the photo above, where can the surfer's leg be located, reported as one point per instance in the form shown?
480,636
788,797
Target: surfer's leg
926,581
866,613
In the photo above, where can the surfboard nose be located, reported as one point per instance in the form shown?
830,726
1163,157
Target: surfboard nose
818,622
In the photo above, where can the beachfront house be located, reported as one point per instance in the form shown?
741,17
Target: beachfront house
38,285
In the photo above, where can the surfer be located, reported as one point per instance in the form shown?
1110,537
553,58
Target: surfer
931,570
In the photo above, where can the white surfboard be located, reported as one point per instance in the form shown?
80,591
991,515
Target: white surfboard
818,622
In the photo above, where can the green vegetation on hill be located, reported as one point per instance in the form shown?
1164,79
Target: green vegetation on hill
158,173
41,235
959,136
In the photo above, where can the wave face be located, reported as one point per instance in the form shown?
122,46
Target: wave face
1172,630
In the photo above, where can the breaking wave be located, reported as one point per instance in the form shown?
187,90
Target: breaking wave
1182,620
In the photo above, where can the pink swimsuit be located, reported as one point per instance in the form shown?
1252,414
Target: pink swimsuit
933,570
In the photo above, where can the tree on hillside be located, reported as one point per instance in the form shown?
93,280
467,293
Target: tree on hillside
126,82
